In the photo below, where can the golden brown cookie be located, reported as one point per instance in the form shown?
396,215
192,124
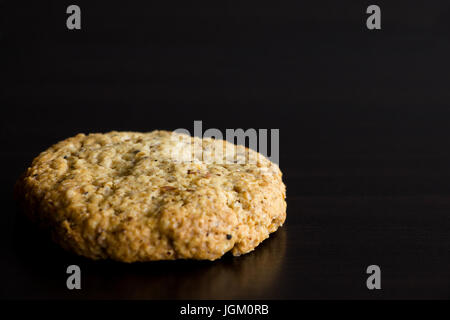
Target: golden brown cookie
161,195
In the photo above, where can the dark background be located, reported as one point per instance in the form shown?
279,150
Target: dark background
364,129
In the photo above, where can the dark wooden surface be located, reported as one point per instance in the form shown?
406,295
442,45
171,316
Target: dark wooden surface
363,119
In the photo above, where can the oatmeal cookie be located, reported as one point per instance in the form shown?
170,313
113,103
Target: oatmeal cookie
162,195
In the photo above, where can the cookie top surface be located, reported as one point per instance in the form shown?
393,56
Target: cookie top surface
161,195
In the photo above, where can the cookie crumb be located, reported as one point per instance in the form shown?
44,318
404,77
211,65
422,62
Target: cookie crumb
167,188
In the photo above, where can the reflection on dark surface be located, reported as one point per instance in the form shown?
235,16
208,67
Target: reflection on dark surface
248,276
321,253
